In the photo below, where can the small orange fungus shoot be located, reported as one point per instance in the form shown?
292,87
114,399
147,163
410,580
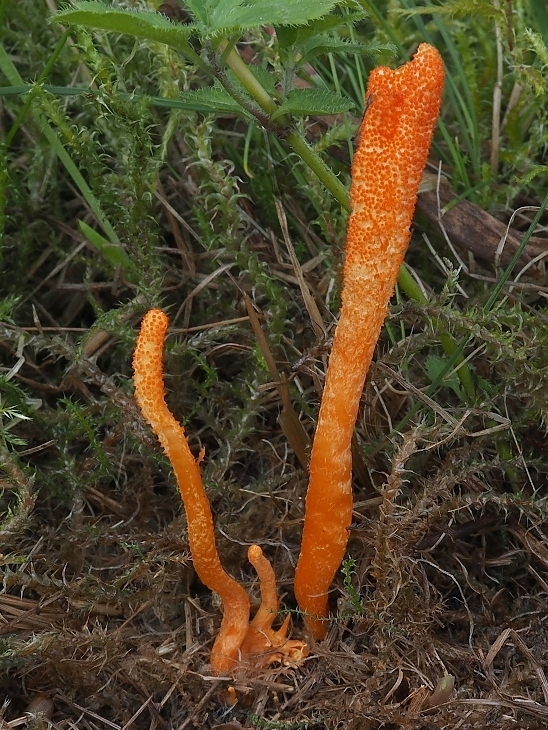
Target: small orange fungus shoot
237,639
262,644
402,108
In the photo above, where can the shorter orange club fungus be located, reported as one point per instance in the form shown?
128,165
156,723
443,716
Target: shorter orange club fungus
262,644
402,108
238,640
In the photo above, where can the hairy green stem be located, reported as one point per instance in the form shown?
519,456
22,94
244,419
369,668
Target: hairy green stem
248,81
319,167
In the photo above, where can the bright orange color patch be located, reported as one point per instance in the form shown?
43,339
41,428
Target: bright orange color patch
395,137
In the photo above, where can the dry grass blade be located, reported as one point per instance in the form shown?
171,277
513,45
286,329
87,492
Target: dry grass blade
25,614
291,425
497,647
316,319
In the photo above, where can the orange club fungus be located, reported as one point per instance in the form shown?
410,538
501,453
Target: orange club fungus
402,109
238,642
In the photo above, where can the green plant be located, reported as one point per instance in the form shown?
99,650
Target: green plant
353,605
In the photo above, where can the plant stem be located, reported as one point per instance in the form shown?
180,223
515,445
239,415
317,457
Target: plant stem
249,82
319,167
311,158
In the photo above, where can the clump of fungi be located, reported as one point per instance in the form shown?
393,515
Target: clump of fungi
402,108
239,640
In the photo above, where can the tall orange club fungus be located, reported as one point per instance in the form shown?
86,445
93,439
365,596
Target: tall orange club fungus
402,108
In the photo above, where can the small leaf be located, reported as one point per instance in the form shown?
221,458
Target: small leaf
316,102
323,44
532,173
138,23
198,9
211,99
239,15
539,11
436,365
286,35
113,253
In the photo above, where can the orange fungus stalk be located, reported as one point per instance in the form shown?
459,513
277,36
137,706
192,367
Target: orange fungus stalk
149,392
239,641
264,645
402,108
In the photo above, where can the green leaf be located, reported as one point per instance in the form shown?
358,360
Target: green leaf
213,18
139,23
288,36
222,17
211,99
199,9
323,44
539,11
113,253
316,102
435,366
